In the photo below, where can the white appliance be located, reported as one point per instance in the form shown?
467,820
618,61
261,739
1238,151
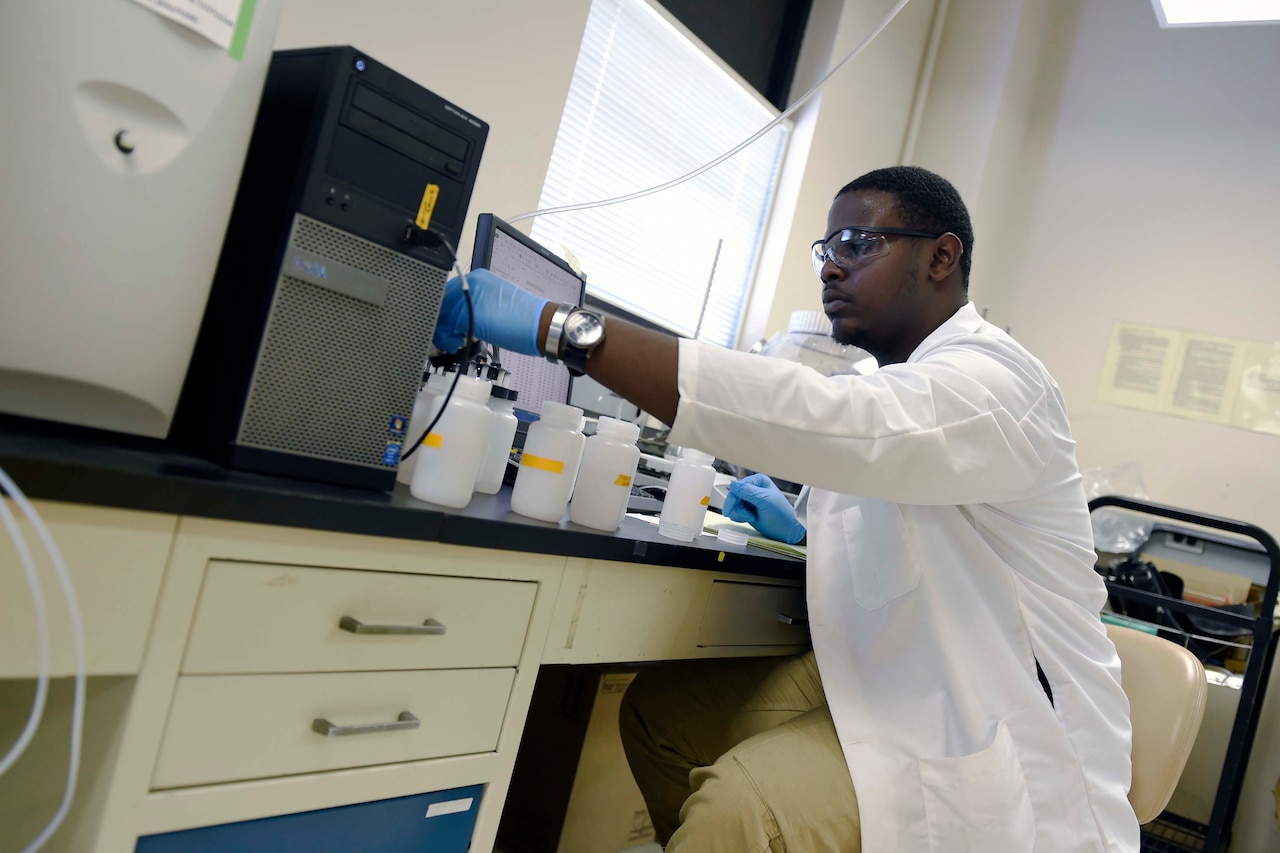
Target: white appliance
122,136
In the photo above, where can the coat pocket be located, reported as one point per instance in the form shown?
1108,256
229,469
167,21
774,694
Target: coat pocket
978,802
882,561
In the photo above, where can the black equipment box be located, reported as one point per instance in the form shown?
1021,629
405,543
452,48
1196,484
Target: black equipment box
323,305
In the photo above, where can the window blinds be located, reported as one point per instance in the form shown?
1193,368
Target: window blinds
647,105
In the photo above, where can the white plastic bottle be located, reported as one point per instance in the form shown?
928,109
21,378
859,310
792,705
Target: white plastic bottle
808,341
549,464
433,386
450,456
502,432
688,496
609,464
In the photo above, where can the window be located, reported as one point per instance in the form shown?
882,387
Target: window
647,105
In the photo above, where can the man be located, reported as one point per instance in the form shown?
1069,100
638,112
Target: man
965,696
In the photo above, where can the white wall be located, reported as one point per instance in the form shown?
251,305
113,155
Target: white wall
508,62
1154,200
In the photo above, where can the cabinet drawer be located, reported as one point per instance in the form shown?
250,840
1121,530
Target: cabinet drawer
754,614
258,617
227,728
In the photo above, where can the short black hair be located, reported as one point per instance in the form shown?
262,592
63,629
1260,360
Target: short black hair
926,202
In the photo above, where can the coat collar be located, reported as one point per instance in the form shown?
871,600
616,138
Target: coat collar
964,322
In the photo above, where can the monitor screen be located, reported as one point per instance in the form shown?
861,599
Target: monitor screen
509,253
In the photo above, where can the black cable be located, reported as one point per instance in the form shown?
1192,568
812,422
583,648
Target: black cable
471,315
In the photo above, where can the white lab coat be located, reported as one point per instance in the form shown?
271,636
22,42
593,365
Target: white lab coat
965,557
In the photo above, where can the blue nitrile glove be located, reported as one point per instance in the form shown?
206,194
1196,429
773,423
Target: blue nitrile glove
506,316
759,502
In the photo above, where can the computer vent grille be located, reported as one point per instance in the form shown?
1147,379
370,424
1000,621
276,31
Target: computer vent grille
333,369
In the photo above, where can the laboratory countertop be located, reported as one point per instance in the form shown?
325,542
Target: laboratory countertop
58,462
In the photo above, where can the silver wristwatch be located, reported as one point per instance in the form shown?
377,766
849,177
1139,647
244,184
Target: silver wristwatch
573,335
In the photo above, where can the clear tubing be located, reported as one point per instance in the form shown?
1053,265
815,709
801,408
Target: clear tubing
801,101
77,638
42,634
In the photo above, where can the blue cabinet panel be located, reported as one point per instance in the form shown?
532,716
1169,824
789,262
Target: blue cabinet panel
440,822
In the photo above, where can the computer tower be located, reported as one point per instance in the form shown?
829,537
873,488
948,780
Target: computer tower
322,309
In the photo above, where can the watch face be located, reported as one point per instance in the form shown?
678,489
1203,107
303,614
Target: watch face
583,329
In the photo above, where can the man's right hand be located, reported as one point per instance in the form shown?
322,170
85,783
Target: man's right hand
757,501
505,315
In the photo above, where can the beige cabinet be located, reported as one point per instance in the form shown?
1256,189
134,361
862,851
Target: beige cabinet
271,670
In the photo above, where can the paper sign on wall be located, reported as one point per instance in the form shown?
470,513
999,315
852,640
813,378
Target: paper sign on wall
223,22
1202,377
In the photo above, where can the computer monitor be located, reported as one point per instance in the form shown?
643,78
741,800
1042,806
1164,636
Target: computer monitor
507,252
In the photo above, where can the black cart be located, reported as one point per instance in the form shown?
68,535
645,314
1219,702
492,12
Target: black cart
1170,833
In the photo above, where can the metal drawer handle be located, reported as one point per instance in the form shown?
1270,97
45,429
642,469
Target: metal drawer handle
405,721
355,626
792,620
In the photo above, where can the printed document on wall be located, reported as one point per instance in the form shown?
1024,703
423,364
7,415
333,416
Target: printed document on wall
1209,378
213,19
1206,378
1138,370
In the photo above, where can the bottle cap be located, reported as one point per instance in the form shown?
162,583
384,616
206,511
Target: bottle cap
500,393
731,536
560,415
697,456
616,429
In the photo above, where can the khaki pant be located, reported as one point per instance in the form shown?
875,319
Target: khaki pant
740,756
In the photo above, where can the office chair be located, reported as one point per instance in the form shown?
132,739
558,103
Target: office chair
1167,691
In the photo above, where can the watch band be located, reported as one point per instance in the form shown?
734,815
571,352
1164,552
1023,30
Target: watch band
576,360
551,347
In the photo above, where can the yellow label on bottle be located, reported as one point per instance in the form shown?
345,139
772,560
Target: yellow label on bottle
427,206
706,500
433,439
555,466
623,480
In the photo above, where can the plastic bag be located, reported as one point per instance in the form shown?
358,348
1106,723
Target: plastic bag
1117,531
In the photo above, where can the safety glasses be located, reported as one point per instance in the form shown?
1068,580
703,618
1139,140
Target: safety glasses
852,247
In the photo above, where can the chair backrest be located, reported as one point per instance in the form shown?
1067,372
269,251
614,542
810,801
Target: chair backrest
1167,691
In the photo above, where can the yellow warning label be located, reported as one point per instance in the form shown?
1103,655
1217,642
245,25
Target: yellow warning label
555,466
433,439
706,500
427,206
623,480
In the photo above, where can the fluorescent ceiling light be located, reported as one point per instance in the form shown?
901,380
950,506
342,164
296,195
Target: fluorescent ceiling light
1204,13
